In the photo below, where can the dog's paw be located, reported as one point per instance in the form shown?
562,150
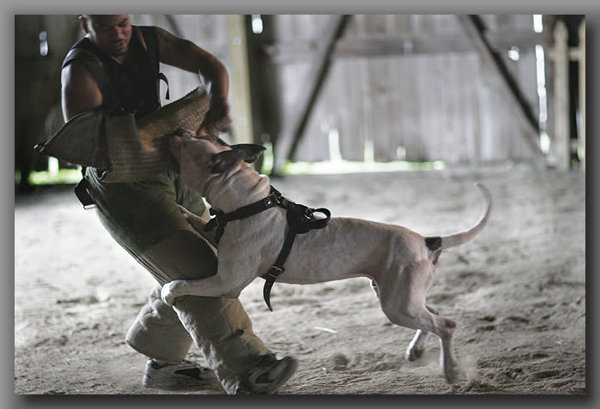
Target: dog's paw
453,373
170,292
414,352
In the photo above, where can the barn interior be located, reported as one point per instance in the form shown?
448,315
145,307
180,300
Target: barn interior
386,117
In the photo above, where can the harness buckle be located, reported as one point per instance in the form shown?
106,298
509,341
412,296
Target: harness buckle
212,224
308,213
83,195
274,272
270,278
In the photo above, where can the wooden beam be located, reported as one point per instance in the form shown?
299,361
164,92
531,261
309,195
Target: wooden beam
398,45
265,90
581,58
241,108
562,129
475,30
287,142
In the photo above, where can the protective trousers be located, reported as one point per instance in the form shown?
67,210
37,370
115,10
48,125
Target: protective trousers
144,218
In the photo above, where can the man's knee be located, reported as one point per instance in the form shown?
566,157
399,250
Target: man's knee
182,255
157,332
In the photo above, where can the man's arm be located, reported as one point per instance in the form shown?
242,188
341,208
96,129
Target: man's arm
80,92
188,56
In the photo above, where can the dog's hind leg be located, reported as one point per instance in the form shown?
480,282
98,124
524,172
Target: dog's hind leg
411,311
426,322
416,348
374,288
444,328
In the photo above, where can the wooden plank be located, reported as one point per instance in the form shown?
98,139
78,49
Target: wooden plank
377,80
470,79
417,148
314,144
403,79
393,106
365,118
349,100
292,130
413,110
453,137
488,126
438,97
400,44
474,29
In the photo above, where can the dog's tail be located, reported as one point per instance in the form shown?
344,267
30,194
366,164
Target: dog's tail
437,244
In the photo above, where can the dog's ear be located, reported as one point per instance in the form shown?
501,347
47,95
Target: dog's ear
252,152
223,161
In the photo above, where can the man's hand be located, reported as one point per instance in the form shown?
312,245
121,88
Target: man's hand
217,120
186,55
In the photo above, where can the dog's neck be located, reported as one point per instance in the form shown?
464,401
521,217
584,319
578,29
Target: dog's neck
236,188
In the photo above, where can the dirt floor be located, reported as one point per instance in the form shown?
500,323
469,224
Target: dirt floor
517,292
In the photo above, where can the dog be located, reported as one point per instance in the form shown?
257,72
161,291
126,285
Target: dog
399,262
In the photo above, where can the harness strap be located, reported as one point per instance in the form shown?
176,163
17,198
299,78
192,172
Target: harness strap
221,219
83,195
300,220
94,66
277,269
163,77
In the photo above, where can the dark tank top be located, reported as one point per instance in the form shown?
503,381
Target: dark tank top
130,87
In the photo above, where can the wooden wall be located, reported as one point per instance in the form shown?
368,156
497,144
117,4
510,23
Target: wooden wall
424,94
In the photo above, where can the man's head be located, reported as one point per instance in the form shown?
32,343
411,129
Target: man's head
110,32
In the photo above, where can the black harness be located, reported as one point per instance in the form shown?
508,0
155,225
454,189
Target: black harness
300,219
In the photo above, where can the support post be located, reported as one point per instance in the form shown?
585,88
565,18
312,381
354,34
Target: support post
265,89
581,58
240,87
562,132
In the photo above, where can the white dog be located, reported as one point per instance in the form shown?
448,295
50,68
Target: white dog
400,262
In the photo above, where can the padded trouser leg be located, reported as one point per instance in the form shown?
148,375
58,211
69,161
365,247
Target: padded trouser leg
157,331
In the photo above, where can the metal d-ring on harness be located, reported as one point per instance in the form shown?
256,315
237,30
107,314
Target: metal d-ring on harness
300,220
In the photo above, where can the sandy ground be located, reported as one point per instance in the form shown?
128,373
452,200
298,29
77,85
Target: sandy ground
517,292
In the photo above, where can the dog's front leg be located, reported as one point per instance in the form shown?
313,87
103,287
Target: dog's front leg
199,224
213,286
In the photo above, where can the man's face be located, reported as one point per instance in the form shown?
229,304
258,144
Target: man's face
111,33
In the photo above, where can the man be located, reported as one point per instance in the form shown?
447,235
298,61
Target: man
114,68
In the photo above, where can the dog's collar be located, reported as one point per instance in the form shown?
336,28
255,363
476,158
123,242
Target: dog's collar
300,219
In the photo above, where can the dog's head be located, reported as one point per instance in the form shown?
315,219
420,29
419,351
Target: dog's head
201,158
